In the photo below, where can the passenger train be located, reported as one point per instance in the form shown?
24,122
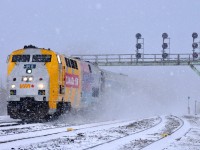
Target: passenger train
42,83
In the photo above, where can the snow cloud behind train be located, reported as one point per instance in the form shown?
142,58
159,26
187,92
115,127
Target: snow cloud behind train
153,94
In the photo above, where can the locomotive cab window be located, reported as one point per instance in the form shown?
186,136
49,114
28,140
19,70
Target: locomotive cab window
68,64
20,58
71,63
41,58
74,64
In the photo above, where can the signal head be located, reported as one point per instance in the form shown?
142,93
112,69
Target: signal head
138,46
194,35
138,55
164,55
194,45
195,55
164,45
138,36
164,35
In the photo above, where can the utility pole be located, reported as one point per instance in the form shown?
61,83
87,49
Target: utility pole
188,105
1,83
195,107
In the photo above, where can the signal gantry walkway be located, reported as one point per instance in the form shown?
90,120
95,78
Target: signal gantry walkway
145,60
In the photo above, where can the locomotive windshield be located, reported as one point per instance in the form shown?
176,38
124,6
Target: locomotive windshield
20,58
41,58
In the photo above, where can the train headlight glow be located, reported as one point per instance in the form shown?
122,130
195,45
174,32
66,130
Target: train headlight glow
12,86
29,71
30,79
40,86
25,79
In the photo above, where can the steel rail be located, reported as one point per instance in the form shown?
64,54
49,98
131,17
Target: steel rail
124,136
182,123
48,134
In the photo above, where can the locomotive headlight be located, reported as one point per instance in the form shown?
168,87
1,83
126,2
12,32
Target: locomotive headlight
30,79
41,86
12,86
25,79
29,71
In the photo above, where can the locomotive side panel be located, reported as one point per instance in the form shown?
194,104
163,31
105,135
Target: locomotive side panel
72,82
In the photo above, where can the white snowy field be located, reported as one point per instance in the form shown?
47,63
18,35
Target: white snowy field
153,133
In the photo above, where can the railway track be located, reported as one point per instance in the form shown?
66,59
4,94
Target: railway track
143,139
49,132
7,124
96,146
24,128
96,135
14,140
97,132
6,121
19,127
181,124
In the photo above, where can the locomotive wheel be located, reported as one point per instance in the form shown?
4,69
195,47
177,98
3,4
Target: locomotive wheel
62,107
48,117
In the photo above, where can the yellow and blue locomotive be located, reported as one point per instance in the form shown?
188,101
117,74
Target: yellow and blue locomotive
42,82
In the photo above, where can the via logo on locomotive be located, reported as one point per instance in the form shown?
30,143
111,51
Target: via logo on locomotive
21,86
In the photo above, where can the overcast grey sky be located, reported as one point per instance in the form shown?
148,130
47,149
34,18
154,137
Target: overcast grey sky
96,26
106,26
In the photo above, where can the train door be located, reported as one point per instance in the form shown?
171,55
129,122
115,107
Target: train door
61,78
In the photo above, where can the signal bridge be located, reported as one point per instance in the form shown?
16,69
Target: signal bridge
144,60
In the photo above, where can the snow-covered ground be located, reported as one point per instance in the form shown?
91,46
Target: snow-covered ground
153,133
